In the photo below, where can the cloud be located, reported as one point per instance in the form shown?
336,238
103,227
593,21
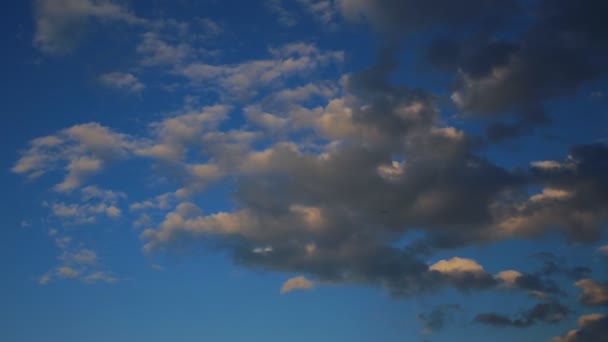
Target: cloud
156,51
77,263
94,202
296,191
59,23
463,273
499,76
552,312
436,319
243,79
81,257
295,284
99,277
593,293
399,16
67,272
593,328
82,150
285,16
124,81
323,11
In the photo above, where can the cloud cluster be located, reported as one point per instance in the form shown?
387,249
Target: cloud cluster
76,263
300,197
329,175
81,150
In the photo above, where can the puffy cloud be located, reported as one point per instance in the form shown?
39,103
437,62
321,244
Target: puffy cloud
457,265
59,22
120,80
593,293
67,272
322,219
593,328
296,283
509,278
463,273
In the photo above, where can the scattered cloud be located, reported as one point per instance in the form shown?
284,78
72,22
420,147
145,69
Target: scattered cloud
123,81
284,16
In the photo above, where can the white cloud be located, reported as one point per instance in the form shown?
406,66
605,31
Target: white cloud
297,283
457,265
83,150
509,277
244,79
123,81
156,51
99,277
67,272
285,17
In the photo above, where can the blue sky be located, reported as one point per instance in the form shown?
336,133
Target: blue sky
297,170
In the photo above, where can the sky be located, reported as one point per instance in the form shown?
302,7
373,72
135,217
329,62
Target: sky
304,170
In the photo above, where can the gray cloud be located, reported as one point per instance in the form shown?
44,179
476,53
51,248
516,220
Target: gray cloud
562,49
551,313
438,318
399,16
59,23
593,328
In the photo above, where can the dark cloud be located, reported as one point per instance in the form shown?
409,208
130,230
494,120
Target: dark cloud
583,208
594,328
563,48
395,170
553,265
531,119
552,312
438,318
404,16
